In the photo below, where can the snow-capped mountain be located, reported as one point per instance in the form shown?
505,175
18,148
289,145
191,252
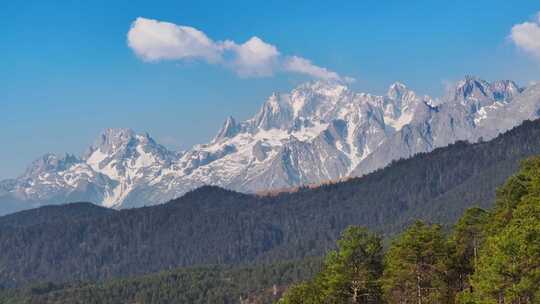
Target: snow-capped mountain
319,131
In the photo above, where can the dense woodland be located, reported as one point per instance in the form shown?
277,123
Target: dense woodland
256,284
215,226
488,257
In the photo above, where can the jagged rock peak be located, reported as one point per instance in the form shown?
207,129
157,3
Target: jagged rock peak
471,87
400,92
396,90
112,139
51,162
322,87
475,88
275,113
229,129
505,89
122,143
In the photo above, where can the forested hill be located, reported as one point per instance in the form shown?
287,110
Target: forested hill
254,284
55,213
489,256
213,226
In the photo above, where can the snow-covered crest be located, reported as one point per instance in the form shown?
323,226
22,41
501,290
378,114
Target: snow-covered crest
319,131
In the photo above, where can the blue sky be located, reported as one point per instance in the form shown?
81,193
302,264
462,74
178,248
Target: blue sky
67,71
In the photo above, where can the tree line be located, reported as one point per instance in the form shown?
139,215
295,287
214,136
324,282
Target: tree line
489,257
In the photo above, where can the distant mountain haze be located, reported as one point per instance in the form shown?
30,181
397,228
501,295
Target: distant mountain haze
320,131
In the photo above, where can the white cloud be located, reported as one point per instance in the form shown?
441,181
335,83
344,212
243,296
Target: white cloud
304,66
253,57
154,40
527,36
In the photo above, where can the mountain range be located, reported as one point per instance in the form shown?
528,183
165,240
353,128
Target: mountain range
211,225
320,131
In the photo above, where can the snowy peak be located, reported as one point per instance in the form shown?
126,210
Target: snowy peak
475,89
397,91
115,144
318,99
229,129
472,88
110,141
125,143
401,97
399,105
275,113
505,89
307,105
318,131
50,163
129,160
121,154
322,88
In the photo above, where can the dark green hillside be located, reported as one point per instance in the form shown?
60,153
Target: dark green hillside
260,284
215,226
490,256
54,213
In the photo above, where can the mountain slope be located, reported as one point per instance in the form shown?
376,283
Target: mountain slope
217,226
318,132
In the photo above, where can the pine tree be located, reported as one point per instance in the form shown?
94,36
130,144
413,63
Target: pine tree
352,272
508,270
465,242
350,275
416,267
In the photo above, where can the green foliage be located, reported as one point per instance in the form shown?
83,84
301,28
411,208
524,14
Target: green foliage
351,273
416,266
488,258
465,241
303,293
509,265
